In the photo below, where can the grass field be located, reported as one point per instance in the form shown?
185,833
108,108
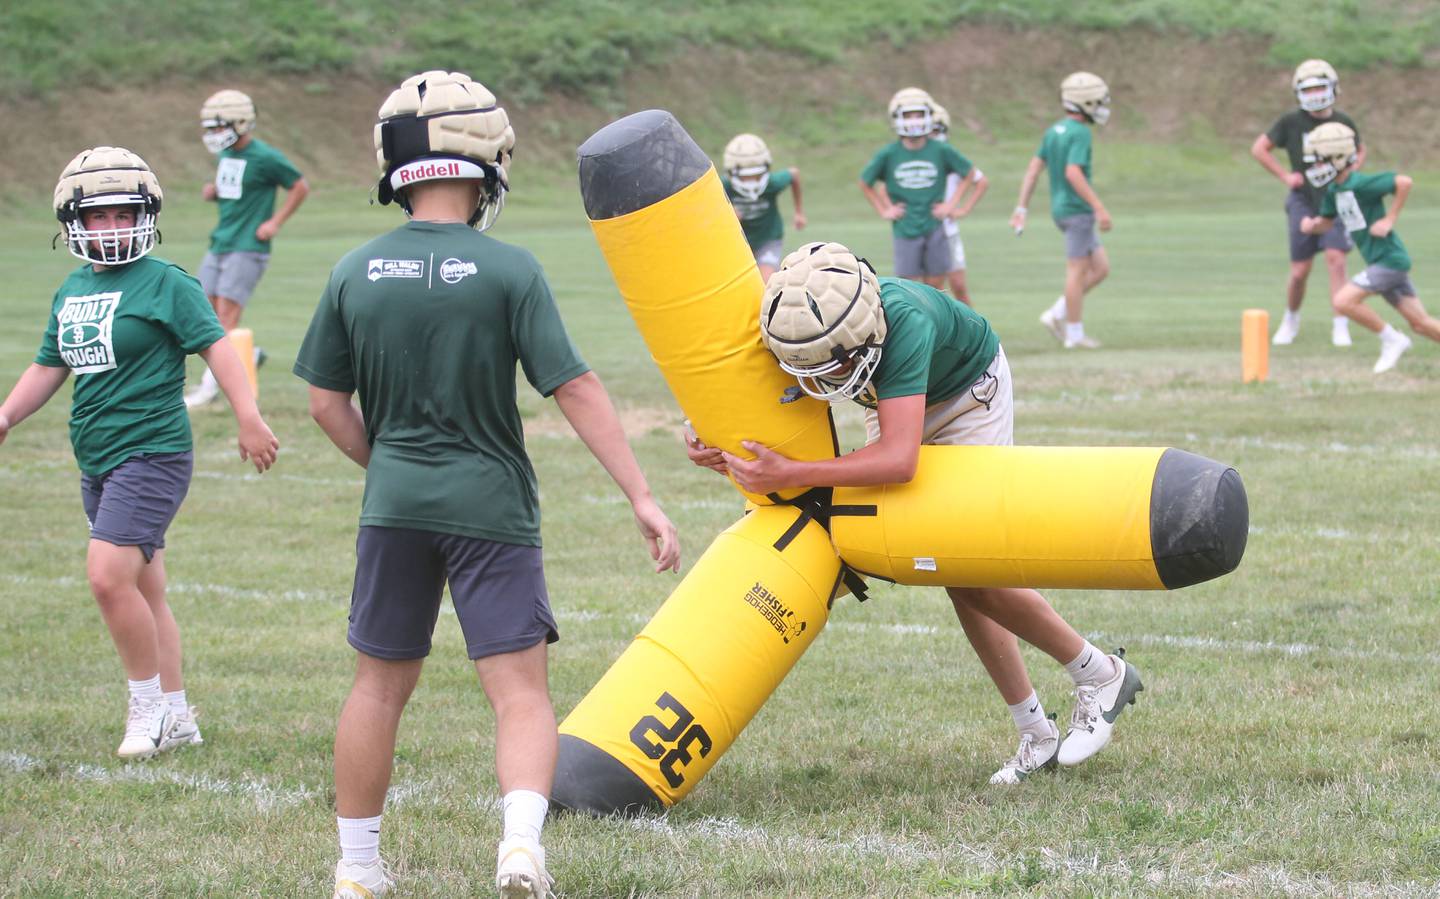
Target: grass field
1285,744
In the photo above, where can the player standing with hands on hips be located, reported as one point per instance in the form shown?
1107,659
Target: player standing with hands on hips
426,323
123,323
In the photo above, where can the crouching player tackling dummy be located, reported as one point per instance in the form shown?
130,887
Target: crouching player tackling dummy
927,370
427,324
123,323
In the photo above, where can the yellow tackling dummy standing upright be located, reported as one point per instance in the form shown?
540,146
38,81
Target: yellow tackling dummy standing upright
677,698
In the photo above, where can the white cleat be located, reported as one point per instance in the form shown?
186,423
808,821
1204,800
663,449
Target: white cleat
1085,343
1034,754
1340,334
1056,326
147,728
520,870
185,732
354,880
1285,334
1096,708
1391,349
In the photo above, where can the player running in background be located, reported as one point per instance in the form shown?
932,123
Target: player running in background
955,189
1065,152
1357,199
246,177
905,183
427,324
754,190
123,323
1316,86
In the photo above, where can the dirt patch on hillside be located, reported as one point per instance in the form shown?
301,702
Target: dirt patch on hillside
995,80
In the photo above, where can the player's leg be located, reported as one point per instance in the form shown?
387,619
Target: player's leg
504,609
399,579
1303,248
1335,243
1415,315
167,639
767,258
235,277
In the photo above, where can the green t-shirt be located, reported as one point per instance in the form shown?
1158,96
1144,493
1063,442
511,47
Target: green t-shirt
1067,142
933,345
760,218
245,183
1359,203
125,333
427,323
1289,132
917,179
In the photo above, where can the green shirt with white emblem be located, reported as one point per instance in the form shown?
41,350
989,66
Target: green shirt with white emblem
760,217
1067,142
125,332
245,183
427,324
917,179
933,344
1289,132
1359,203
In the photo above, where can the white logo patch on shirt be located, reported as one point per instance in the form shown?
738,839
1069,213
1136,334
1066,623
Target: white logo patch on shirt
395,268
84,338
917,174
230,178
452,270
1349,211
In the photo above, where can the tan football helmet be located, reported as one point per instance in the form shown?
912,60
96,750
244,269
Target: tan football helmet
747,162
822,319
1087,94
226,116
1329,148
108,176
441,126
907,101
940,127
1312,74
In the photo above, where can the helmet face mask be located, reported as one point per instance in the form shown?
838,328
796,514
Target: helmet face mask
1316,85
750,182
105,178
912,112
747,162
443,126
226,116
822,319
1329,149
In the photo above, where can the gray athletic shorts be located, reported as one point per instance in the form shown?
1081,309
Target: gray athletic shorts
917,257
232,275
133,503
983,415
1392,284
769,253
1081,238
1303,247
498,590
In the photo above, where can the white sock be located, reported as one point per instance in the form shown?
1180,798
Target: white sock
1091,666
178,705
147,690
1292,318
1029,715
1074,331
1386,335
1057,311
359,839
524,814
208,382
1341,322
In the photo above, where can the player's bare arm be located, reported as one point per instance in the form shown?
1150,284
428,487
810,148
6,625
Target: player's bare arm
342,422
33,390
296,195
800,220
1076,176
1027,189
1263,151
1382,228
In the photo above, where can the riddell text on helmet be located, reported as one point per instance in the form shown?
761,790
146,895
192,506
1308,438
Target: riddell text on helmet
429,170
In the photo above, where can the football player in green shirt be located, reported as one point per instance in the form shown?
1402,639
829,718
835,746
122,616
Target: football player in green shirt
906,182
427,324
1357,200
754,192
123,324
929,371
1065,154
1315,85
247,174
